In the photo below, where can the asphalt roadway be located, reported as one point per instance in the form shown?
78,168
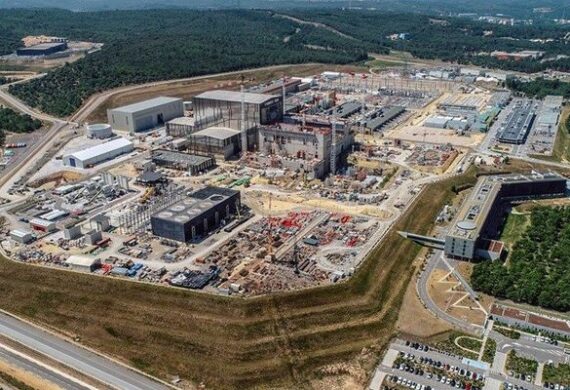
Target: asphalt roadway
422,286
39,370
89,363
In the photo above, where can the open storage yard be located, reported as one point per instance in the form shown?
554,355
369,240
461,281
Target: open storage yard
234,343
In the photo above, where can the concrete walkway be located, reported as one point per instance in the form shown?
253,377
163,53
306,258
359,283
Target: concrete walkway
390,357
488,329
539,371
499,362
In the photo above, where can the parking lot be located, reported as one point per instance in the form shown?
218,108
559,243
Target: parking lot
412,365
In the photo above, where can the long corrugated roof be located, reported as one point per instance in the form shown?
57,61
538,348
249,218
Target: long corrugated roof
235,96
146,104
97,150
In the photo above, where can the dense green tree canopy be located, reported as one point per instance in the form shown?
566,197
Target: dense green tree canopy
538,271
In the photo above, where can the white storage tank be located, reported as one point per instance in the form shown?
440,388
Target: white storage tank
99,131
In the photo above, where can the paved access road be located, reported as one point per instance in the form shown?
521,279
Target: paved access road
422,286
102,369
39,370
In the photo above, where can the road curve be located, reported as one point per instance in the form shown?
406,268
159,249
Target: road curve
89,363
423,293
17,104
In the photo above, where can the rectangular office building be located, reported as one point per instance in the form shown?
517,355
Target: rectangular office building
481,216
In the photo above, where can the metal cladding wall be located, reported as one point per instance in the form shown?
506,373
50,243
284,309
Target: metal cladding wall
204,222
228,112
32,51
155,114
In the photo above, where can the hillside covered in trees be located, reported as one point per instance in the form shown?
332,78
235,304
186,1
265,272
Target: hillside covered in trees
540,87
538,271
458,40
149,45
15,122
143,46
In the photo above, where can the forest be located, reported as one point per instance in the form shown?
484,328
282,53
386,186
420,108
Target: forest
538,269
15,122
458,40
510,8
144,46
149,45
539,87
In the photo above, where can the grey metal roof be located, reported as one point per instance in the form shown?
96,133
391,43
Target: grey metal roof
147,104
235,96
217,132
195,205
179,157
97,150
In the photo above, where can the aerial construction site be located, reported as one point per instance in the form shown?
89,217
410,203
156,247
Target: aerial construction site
260,188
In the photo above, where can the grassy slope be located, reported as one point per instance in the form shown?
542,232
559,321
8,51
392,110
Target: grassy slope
514,228
230,343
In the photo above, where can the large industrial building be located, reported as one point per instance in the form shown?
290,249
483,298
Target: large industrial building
219,141
305,143
480,218
90,157
519,123
180,127
146,114
223,108
191,163
42,49
197,215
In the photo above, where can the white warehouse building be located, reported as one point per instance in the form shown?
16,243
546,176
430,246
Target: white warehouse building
97,154
146,114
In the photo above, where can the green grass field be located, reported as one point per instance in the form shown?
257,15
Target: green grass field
514,228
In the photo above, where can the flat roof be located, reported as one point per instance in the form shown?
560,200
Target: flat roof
43,46
345,109
147,104
519,122
180,157
472,215
385,116
235,96
437,120
195,204
217,132
463,100
97,150
183,120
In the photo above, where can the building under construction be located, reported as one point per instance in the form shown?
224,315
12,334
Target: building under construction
182,161
309,143
224,108
222,142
